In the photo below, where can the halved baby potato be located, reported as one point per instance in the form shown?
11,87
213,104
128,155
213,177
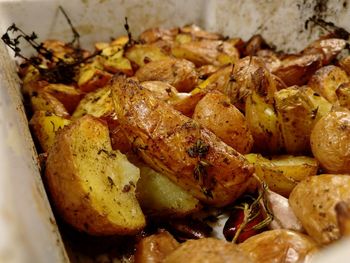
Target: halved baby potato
92,186
282,173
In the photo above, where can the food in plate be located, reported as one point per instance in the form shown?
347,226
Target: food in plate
186,130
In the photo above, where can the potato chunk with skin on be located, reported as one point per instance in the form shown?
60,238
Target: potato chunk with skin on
317,213
282,173
326,80
92,186
45,125
43,101
208,250
216,113
179,73
279,246
178,147
330,141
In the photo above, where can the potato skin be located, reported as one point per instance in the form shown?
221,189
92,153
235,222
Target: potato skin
91,186
179,73
298,69
165,138
207,250
326,80
330,141
279,246
216,113
317,213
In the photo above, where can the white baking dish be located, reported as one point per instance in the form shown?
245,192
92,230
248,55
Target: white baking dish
28,232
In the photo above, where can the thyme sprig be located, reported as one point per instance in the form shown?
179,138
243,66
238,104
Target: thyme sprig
51,68
253,210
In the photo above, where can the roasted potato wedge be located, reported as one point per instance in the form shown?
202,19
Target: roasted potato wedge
279,246
92,186
179,73
45,125
207,250
179,147
343,94
217,114
206,52
92,76
330,141
282,173
296,115
298,69
263,124
186,102
329,48
250,74
155,248
161,90
326,80
44,101
69,96
114,61
97,103
317,213
217,81
142,54
158,196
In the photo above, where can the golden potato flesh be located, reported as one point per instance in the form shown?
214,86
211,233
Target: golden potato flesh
92,186
207,250
313,202
96,103
179,73
282,173
216,113
330,141
154,248
142,54
45,125
43,101
263,124
178,147
326,80
279,246
158,196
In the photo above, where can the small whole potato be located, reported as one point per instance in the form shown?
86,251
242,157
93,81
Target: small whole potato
330,141
216,113
314,200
